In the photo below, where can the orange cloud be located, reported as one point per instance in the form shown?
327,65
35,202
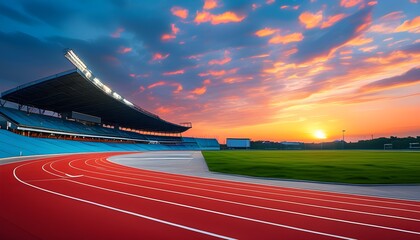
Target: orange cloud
310,20
210,4
200,90
202,17
394,57
225,17
410,26
358,41
124,50
117,33
293,37
270,1
179,12
182,71
159,56
167,37
349,3
332,20
220,62
265,32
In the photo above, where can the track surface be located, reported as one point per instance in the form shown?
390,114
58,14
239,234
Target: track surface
87,197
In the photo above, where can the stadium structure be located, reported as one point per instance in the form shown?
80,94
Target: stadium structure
74,111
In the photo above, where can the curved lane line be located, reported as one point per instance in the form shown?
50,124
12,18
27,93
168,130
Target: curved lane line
117,209
266,208
271,193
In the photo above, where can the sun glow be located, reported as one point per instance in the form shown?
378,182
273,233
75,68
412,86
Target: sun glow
320,134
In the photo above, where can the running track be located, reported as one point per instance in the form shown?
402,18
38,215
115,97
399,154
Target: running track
85,196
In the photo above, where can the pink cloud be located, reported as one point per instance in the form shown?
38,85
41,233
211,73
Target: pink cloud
156,84
167,37
178,86
159,56
124,50
207,82
117,33
174,29
349,3
332,20
177,72
220,62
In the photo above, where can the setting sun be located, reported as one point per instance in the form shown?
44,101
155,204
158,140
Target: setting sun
320,134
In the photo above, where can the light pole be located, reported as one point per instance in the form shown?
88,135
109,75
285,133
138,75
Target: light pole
343,138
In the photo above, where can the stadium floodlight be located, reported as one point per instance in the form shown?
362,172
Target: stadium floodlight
81,66
106,89
128,102
116,95
75,60
97,82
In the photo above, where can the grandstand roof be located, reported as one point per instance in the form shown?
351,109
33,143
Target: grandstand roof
72,91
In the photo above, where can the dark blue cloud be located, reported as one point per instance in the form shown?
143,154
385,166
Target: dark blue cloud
15,15
410,77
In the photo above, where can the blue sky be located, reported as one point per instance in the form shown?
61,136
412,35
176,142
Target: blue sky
276,70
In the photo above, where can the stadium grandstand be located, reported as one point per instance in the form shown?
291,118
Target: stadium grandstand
74,111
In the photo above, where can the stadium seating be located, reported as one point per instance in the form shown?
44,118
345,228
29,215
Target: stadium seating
45,122
201,143
12,144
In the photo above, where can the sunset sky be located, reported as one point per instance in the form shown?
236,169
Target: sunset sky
283,70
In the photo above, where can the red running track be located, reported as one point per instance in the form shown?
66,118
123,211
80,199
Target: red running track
85,196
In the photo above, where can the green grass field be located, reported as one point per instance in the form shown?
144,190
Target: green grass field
360,167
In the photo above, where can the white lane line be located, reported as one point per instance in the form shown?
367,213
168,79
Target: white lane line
249,196
271,193
262,207
73,176
265,208
203,209
211,211
298,190
118,209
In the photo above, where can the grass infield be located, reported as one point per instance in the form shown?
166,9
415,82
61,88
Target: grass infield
358,167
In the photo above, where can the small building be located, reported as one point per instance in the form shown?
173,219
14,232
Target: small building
238,143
